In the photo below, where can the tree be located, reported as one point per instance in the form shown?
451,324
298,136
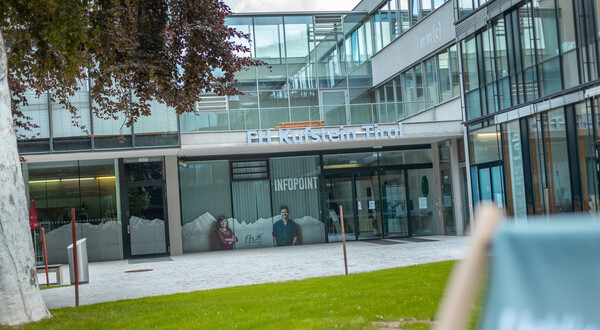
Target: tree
168,51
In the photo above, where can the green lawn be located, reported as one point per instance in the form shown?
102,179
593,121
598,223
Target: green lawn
405,297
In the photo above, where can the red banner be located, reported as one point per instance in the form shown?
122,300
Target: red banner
33,219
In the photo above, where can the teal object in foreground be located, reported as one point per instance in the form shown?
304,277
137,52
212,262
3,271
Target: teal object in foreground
545,275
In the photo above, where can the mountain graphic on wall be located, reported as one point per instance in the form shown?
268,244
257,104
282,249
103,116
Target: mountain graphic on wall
198,235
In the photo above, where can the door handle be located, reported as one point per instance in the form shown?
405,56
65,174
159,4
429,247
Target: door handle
128,230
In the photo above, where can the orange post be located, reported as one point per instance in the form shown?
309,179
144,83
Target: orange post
76,270
45,258
343,238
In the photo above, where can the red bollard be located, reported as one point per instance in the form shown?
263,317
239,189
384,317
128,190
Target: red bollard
45,258
343,238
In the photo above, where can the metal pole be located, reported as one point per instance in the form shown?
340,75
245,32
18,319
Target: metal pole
547,201
343,239
45,257
76,270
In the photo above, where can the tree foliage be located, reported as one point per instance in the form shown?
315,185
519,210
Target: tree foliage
133,52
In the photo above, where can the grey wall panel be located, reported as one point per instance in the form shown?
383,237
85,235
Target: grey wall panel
425,38
472,24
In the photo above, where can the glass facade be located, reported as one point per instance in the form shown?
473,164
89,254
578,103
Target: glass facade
545,154
421,86
319,69
56,132
379,199
91,188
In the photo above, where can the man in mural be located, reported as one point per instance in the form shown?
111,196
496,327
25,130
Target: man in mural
285,231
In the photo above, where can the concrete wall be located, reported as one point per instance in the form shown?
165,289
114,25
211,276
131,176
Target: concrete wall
173,206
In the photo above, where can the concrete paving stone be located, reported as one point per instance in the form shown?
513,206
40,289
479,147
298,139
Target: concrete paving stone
109,280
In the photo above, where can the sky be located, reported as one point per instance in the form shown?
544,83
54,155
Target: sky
239,6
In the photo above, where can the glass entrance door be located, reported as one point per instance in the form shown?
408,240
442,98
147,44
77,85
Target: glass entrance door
359,195
339,191
145,225
395,205
367,204
146,228
488,184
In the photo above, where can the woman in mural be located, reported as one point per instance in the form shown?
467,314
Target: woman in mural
225,234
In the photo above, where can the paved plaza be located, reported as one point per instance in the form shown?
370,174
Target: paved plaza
122,279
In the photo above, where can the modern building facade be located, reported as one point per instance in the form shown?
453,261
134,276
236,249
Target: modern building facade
404,113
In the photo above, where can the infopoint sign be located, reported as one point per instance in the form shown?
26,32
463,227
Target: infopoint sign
316,135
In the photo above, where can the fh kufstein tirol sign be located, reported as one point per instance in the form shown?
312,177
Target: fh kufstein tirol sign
315,135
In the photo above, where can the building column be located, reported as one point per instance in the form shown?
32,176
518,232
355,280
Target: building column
437,188
457,189
173,205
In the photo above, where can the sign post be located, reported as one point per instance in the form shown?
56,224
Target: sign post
76,270
343,238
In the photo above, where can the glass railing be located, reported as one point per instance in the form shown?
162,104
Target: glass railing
309,116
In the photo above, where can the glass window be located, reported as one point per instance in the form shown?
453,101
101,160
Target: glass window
454,70
350,160
587,157
244,25
410,91
396,157
295,183
445,79
297,32
438,3
488,55
404,15
420,88
269,44
484,145
527,36
537,155
515,176
465,7
268,39
62,119
330,62
475,185
415,11
469,59
546,29
37,110
300,58
550,77
473,104
386,35
501,53
89,187
567,25
393,19
162,119
426,8
369,37
144,169
378,38
557,162
431,81
205,195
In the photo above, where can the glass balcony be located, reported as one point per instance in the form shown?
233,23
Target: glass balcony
307,116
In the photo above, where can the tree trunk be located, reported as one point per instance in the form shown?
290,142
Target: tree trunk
20,298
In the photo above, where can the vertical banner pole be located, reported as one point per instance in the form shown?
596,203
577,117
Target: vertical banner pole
343,239
45,258
547,201
76,270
